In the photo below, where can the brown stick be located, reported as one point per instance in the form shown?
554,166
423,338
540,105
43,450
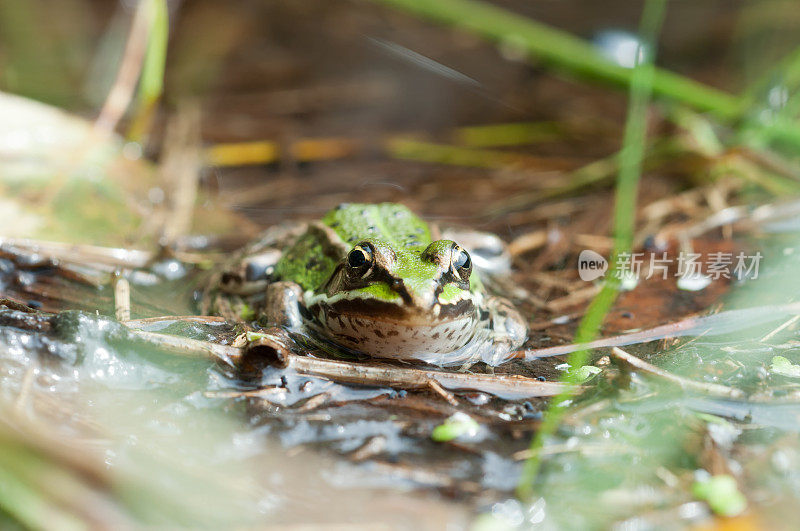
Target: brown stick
122,299
444,393
190,347
269,349
81,254
684,383
121,93
504,386
139,323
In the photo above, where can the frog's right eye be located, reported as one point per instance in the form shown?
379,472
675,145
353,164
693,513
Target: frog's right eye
359,260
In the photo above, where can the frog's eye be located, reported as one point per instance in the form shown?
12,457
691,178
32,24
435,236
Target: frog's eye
462,263
359,260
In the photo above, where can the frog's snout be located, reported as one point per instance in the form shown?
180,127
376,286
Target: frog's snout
422,297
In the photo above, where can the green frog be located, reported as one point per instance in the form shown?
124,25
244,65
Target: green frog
376,279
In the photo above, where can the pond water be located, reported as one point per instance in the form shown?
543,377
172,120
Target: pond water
198,450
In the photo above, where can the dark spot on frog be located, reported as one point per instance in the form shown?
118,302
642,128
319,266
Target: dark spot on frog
351,339
379,334
627,315
393,333
435,336
313,264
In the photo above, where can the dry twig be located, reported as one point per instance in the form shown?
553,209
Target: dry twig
122,299
121,93
444,393
684,383
207,319
270,350
719,323
511,386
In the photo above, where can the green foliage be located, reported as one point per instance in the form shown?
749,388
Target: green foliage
784,367
151,83
247,313
585,372
453,427
722,495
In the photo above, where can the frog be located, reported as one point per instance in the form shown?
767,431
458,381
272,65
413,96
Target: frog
377,280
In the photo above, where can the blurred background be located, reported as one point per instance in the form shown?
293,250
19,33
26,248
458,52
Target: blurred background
331,88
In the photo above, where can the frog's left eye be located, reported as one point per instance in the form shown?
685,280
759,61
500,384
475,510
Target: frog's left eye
462,263
359,260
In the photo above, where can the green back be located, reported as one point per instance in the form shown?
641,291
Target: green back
310,261
389,222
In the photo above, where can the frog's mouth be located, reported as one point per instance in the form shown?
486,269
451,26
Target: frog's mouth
393,331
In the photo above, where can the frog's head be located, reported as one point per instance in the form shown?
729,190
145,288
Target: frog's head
394,302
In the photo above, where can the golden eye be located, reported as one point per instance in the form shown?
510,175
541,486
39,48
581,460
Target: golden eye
359,260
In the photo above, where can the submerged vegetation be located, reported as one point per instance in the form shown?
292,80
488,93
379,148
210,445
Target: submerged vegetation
669,400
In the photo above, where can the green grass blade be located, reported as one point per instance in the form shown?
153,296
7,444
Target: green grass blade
22,500
564,51
151,82
630,161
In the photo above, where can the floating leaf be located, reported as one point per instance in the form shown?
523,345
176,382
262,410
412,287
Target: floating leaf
722,495
253,336
457,425
784,367
585,372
